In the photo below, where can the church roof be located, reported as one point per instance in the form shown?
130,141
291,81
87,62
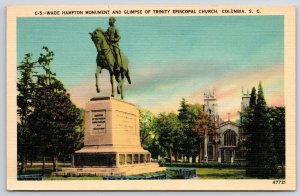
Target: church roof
228,123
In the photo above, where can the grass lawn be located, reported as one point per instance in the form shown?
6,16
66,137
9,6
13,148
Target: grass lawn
221,173
203,173
48,169
35,169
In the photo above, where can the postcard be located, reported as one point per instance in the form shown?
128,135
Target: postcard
151,98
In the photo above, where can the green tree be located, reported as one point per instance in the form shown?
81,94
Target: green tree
277,120
149,135
248,126
170,133
261,156
146,127
155,147
55,120
203,127
188,115
183,111
267,165
25,87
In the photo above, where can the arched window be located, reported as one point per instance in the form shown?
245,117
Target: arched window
210,138
210,152
229,138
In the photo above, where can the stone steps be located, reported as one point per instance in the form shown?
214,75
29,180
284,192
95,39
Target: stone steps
91,170
117,171
70,174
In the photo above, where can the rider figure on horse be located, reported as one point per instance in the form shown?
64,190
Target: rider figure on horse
113,38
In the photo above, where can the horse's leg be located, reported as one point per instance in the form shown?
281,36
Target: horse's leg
120,87
119,79
98,71
128,76
112,84
117,76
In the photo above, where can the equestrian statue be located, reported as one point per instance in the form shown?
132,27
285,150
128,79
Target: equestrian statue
110,57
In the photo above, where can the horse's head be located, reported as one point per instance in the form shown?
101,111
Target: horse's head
98,36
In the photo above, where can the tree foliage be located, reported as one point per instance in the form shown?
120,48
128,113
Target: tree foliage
25,87
203,125
170,133
146,127
55,123
176,135
149,135
203,128
277,120
261,155
188,115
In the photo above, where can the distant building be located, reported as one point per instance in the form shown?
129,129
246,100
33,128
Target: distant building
228,135
224,146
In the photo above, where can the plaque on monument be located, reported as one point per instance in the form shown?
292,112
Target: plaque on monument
98,120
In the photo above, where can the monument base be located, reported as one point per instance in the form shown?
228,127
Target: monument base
111,142
111,156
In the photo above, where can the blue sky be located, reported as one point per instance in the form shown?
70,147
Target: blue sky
170,57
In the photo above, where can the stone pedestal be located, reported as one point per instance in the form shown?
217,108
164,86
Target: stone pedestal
111,141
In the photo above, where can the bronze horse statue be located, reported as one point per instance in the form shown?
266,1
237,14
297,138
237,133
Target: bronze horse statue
106,60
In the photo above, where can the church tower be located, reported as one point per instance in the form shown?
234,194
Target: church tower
244,104
211,106
245,100
211,109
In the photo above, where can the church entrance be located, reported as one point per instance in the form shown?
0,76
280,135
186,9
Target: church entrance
210,152
226,155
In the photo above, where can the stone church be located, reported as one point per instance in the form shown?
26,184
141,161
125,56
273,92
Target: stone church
223,146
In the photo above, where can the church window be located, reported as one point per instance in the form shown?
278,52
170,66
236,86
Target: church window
229,138
210,138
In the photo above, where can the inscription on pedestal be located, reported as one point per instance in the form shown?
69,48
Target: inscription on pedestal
126,122
98,121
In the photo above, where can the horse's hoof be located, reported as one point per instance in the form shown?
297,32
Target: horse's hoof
118,89
112,95
98,90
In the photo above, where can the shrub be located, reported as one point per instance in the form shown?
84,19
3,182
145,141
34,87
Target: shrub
205,165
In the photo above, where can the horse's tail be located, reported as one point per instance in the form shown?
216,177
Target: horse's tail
126,67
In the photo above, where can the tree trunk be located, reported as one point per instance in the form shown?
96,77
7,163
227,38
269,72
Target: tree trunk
176,156
23,166
72,161
200,155
26,161
55,163
44,162
170,152
194,159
